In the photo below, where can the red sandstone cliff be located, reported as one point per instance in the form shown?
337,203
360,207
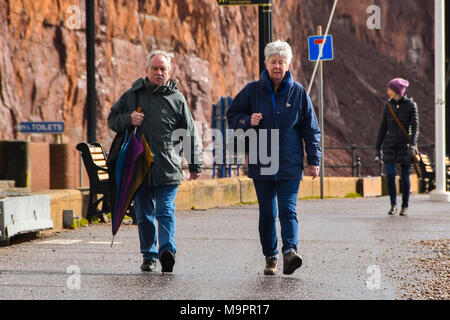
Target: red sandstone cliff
42,58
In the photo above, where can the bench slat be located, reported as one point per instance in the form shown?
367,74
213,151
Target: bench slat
101,163
98,156
95,150
103,176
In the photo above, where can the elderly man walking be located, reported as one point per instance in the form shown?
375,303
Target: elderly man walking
165,111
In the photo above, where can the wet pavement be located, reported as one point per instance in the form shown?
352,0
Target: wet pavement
351,249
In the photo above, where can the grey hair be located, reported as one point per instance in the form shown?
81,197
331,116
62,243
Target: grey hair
278,47
159,53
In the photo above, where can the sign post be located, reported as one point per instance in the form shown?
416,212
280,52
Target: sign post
321,49
440,193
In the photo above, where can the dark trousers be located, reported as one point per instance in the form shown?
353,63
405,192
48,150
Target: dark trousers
277,199
406,183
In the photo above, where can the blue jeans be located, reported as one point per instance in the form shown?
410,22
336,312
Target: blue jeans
281,195
156,203
406,183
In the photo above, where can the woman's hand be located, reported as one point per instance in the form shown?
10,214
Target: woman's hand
256,119
314,171
194,175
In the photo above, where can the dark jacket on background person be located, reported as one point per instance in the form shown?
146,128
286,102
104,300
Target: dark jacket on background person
290,110
391,139
165,110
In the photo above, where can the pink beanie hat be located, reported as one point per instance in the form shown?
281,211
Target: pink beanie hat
399,85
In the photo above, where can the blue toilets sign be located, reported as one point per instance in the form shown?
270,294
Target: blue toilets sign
314,43
41,127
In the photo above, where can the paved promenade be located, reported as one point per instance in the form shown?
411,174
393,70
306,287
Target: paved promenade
351,249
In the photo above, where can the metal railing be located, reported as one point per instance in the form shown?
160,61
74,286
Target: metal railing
362,157
357,164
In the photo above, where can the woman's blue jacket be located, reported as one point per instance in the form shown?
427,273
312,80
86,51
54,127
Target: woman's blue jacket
291,112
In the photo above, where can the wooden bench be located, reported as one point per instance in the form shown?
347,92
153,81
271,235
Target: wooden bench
94,160
426,174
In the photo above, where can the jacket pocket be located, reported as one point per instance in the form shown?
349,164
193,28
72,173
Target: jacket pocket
172,155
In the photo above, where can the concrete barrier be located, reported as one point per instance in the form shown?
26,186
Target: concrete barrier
370,186
335,187
60,200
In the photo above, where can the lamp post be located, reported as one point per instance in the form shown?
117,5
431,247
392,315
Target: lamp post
91,98
265,30
440,194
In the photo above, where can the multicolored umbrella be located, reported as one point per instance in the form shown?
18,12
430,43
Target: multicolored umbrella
118,169
132,166
142,167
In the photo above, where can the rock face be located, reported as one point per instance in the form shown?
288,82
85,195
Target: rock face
215,53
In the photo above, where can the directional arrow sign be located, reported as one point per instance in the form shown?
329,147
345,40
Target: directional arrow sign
41,127
242,2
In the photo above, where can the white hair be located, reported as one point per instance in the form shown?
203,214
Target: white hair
278,47
159,53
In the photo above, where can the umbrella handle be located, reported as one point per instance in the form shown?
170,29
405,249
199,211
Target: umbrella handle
139,109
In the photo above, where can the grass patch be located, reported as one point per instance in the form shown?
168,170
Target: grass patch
353,195
84,222
249,202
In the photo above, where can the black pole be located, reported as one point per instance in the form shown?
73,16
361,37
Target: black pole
265,30
90,68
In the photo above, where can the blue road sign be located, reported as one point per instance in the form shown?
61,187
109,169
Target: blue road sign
314,43
41,127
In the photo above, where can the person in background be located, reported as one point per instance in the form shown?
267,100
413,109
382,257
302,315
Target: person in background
393,147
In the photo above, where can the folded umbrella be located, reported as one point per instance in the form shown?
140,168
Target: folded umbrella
135,149
131,168
143,163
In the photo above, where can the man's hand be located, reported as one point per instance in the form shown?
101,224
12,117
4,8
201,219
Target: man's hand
378,160
137,118
194,175
256,119
314,171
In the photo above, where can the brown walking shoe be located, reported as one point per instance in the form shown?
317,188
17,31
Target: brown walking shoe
271,266
291,262
404,212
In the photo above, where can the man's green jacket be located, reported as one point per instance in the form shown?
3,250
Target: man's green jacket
166,118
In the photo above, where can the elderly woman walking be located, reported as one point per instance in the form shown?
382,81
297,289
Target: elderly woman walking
393,146
280,106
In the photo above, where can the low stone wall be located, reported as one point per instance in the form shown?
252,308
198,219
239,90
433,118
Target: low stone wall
207,194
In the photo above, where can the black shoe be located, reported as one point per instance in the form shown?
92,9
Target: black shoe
404,211
291,262
148,265
393,211
167,260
